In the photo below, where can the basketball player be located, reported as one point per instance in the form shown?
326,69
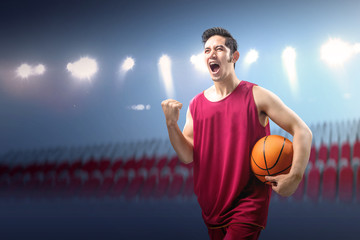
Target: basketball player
222,125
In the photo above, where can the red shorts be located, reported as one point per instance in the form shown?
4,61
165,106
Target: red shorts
237,231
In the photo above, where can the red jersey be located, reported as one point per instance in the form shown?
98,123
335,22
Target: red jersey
224,134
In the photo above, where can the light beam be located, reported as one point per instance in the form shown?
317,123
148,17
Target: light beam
251,57
289,63
166,76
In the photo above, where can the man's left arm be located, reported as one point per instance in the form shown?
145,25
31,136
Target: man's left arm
269,104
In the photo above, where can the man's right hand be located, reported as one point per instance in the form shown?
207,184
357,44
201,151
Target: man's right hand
171,110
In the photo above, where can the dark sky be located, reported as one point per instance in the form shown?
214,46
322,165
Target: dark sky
56,109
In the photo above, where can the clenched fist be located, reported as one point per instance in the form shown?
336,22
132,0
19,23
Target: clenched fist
171,110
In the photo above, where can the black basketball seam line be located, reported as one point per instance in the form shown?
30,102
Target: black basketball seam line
265,156
274,173
256,163
282,148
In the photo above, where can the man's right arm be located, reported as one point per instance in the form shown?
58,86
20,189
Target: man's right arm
182,142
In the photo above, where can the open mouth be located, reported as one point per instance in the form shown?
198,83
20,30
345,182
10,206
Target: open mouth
214,67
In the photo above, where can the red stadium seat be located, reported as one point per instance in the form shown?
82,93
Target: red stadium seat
74,167
90,187
149,187
329,182
189,187
62,167
119,186
104,165
48,167
176,186
313,184
174,161
356,154
334,153
134,187
313,154
345,152
149,163
134,164
161,163
16,170
162,187
74,186
323,153
4,170
105,187
31,169
357,185
118,164
90,166
299,193
346,183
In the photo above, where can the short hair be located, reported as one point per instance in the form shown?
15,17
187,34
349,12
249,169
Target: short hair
230,42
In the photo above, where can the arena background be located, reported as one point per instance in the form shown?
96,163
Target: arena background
83,80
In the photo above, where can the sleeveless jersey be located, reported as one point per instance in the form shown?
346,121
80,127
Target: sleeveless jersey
224,134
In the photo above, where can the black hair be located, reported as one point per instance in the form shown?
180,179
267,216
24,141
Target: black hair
230,42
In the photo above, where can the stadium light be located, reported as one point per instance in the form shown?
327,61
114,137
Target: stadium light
336,52
165,72
39,69
128,64
199,63
289,63
84,68
251,57
26,71
140,107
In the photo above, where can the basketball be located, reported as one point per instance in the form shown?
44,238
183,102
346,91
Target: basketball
271,155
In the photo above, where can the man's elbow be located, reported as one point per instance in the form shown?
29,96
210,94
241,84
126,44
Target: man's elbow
186,160
308,134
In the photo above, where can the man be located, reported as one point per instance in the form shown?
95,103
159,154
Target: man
222,125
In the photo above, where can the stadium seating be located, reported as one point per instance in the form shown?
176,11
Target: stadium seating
334,153
313,184
313,154
299,194
346,180
357,185
329,183
151,170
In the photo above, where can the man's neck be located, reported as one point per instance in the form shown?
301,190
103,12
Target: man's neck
225,87
221,89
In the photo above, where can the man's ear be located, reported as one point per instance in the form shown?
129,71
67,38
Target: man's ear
235,56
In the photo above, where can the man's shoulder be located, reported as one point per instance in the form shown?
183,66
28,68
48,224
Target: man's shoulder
196,98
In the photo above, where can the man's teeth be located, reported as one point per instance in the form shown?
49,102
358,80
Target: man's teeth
214,67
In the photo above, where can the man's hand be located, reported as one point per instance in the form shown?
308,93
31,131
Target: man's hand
171,110
285,184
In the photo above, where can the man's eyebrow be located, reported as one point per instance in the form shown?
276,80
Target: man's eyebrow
220,45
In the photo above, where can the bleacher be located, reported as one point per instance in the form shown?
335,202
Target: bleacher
150,169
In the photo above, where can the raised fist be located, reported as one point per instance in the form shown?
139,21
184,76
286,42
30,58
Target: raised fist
171,110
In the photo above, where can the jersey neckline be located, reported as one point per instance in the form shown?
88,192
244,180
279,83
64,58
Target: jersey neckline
203,94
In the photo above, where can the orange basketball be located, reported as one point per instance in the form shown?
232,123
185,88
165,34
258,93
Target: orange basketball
271,155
